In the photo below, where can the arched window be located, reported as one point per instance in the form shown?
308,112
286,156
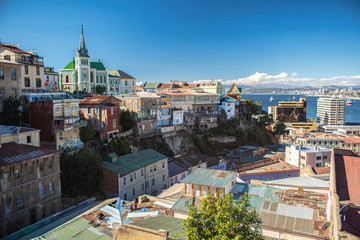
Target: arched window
92,77
67,79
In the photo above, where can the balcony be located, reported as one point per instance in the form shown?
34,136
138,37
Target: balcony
66,123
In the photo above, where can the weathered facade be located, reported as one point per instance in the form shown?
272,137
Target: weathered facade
10,80
30,185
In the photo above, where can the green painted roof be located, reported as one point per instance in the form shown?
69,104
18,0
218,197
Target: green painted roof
210,177
131,162
171,224
71,65
110,75
121,74
150,85
97,65
75,229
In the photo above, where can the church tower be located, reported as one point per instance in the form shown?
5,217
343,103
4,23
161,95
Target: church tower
82,64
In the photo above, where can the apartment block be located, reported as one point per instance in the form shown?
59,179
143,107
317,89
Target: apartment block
59,122
330,111
51,79
102,112
300,156
10,80
134,174
29,185
32,66
289,111
211,86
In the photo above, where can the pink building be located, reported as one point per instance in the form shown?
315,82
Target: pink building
301,156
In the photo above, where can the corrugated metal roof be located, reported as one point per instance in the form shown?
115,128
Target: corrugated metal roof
131,162
304,181
171,224
210,177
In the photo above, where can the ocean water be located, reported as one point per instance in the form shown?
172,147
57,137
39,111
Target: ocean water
352,113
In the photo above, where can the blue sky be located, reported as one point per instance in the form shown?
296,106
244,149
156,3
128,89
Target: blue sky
193,40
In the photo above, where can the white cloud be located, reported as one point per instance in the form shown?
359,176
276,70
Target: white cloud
268,80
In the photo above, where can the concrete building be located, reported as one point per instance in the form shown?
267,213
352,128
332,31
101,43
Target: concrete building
51,80
121,82
289,111
301,156
83,75
102,112
299,129
206,103
29,187
32,66
135,174
59,122
228,105
330,111
211,86
164,111
205,122
144,107
177,116
182,166
20,135
182,100
10,80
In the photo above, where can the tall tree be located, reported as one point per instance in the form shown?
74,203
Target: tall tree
127,121
223,218
80,172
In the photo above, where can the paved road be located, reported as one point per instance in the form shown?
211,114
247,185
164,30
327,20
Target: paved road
76,212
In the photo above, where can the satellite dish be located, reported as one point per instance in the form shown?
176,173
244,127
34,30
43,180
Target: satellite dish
344,209
325,225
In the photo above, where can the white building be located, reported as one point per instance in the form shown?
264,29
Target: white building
228,105
331,111
177,116
301,156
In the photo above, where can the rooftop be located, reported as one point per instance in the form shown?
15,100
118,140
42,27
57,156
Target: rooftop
150,85
13,49
304,181
347,173
210,177
274,167
121,74
171,224
11,153
96,99
131,162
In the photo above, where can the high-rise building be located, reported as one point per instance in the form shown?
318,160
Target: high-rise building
331,111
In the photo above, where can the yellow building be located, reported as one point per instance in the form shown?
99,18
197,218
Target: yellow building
298,129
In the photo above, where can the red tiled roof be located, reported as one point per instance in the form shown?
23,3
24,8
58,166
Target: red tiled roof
11,153
13,49
165,85
347,170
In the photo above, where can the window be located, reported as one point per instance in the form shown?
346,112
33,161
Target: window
114,123
281,176
17,174
134,192
163,164
171,181
125,83
318,165
8,203
182,176
104,79
27,82
5,177
28,139
318,158
163,177
51,187
112,111
37,71
75,130
131,177
26,69
50,164
18,199
324,157
2,75
13,74
67,79
155,168
42,190
153,181
31,194
43,212
7,57
124,180
134,175
142,172
41,166
74,108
